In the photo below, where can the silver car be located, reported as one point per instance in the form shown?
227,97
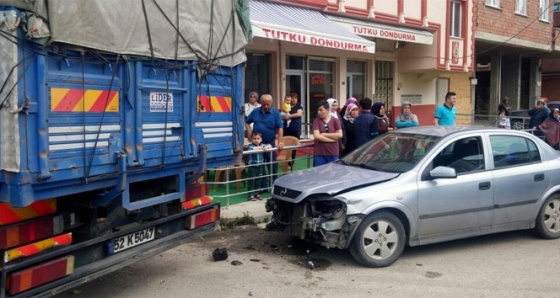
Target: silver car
423,185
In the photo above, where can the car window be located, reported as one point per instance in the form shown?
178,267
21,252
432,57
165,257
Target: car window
512,151
393,152
465,156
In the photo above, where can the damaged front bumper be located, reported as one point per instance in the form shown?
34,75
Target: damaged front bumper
321,220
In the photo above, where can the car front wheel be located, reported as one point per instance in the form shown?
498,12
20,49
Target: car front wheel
548,220
379,240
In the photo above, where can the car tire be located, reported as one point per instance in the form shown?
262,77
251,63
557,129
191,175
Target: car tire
548,220
379,240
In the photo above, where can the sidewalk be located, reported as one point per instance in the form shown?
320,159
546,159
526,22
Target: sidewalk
254,209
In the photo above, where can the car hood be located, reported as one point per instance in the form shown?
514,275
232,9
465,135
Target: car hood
331,179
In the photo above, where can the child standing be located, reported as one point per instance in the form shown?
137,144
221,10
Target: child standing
256,166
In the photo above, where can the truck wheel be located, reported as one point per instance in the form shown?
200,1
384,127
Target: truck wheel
548,220
379,240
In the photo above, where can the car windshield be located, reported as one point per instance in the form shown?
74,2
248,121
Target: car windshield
391,152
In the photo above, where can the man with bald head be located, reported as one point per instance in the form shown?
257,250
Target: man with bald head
266,120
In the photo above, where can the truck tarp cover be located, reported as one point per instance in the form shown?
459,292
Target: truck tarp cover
204,30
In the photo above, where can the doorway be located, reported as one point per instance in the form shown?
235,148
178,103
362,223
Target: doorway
313,79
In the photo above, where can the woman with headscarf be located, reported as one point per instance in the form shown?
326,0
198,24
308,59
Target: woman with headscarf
333,106
378,110
551,129
406,118
349,135
345,107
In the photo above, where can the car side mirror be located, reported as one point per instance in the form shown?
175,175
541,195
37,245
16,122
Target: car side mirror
443,172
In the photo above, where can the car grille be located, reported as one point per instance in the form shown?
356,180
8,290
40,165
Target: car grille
286,192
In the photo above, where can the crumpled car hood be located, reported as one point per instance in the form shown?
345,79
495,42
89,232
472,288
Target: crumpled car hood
330,179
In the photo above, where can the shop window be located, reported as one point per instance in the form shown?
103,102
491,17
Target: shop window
257,74
456,18
356,79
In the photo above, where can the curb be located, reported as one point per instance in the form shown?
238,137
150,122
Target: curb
254,209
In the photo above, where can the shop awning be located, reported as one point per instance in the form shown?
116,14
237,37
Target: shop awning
371,29
304,26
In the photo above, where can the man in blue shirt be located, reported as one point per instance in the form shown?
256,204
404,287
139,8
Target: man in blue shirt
365,124
446,113
538,114
266,119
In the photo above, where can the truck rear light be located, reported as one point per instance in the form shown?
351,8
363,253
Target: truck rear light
203,218
29,278
196,190
30,231
37,247
9,214
205,200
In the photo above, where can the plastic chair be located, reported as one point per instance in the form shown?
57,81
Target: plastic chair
285,156
238,173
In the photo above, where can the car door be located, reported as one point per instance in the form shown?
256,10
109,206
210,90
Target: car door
520,178
450,208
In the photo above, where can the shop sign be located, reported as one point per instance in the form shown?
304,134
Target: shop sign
387,33
313,40
318,80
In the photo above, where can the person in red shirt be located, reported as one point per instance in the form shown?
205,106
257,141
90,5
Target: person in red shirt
327,132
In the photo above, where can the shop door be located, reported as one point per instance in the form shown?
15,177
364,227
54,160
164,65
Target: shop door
320,78
295,82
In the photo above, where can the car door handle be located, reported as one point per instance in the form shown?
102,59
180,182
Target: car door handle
539,177
484,185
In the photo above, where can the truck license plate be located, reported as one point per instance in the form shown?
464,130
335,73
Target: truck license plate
134,239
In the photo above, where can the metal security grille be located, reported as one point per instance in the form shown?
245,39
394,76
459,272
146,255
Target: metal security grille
384,83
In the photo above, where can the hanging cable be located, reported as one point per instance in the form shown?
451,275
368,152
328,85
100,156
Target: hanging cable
90,163
148,29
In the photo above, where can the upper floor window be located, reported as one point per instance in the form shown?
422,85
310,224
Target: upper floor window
456,15
494,3
521,7
544,10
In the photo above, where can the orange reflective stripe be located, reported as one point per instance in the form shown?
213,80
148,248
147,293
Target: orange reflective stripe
9,214
44,207
216,104
79,100
37,247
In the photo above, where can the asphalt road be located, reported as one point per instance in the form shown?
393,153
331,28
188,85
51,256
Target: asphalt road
515,264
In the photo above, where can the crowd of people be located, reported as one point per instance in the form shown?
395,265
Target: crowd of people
336,132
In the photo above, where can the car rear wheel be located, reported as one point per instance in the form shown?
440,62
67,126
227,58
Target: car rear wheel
548,220
379,240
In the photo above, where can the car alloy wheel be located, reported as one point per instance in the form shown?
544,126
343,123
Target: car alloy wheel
379,240
548,220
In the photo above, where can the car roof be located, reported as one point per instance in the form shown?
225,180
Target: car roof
443,131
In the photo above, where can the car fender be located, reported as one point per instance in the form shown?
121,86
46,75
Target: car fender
388,205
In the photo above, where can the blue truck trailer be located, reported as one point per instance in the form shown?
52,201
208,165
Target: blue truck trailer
107,124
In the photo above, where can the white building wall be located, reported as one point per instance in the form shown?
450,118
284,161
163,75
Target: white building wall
413,9
387,7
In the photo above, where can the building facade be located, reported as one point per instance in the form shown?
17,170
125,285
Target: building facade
512,39
390,51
